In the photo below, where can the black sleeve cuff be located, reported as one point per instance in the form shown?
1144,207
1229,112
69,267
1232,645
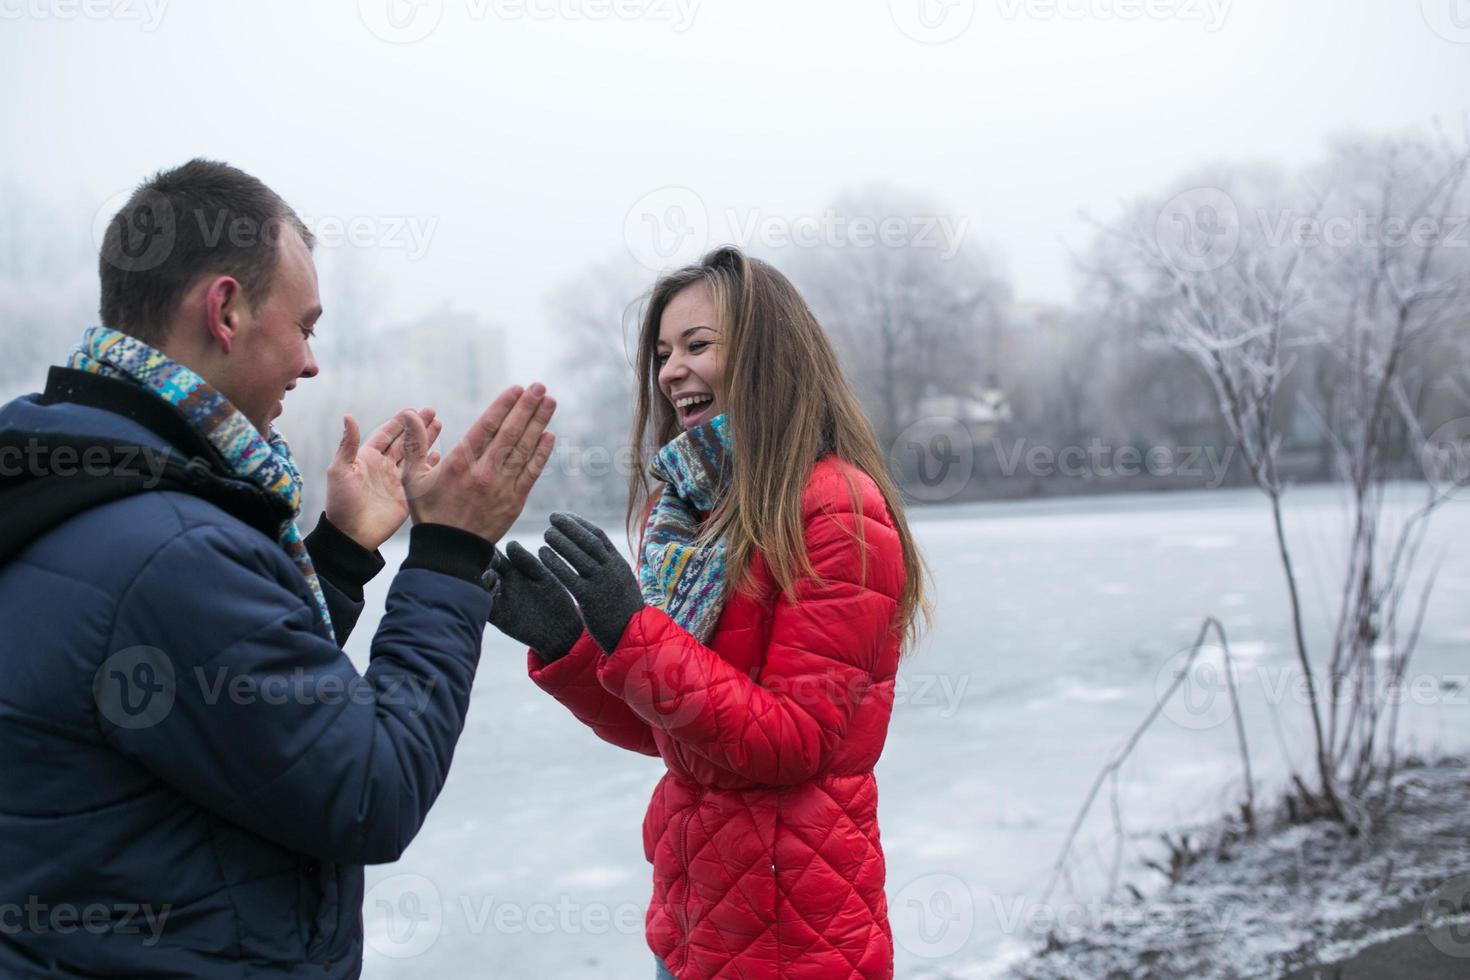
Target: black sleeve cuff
348,565
450,550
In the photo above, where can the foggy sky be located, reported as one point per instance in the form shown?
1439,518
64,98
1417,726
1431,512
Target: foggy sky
515,137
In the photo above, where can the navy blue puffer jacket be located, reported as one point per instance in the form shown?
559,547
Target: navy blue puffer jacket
194,774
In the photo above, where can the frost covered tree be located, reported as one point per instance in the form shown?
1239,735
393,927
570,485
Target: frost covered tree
1352,268
916,310
596,316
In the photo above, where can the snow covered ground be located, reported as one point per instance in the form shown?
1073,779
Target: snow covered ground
1304,901
1057,622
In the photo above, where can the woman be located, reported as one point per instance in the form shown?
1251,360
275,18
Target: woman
756,647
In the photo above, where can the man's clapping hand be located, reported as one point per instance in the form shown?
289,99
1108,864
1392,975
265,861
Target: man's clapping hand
365,480
482,483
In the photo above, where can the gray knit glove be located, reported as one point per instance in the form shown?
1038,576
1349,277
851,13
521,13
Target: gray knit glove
588,564
531,606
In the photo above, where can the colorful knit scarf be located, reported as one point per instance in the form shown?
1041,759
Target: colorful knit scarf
684,579
264,462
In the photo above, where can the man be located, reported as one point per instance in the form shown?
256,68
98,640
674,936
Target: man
195,774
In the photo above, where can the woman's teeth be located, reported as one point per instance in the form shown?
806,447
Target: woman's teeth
684,403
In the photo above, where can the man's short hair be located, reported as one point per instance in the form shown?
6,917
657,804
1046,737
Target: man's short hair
202,218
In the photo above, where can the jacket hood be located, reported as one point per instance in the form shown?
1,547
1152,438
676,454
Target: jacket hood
89,439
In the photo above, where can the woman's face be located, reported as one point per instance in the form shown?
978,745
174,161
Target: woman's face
691,356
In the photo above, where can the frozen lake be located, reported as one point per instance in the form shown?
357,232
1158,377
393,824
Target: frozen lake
1056,621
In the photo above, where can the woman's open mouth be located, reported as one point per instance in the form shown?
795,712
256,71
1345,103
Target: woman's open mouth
694,409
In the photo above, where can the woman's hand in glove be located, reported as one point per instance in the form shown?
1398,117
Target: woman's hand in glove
531,606
588,564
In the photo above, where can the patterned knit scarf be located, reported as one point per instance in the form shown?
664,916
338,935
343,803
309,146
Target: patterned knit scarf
683,579
265,463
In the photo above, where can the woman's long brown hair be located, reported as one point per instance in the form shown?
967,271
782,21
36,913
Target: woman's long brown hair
786,402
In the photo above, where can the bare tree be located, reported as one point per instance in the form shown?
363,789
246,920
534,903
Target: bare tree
914,313
1385,300
1246,273
596,317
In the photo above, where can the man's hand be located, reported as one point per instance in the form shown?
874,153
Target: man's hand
482,483
365,482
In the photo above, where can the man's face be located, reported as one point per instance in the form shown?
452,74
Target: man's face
273,337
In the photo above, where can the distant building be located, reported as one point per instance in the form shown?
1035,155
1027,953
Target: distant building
465,357
1034,316
981,409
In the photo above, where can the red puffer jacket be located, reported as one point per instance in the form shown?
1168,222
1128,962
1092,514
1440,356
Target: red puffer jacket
763,834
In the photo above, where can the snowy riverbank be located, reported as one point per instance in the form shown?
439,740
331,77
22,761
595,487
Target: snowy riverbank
1297,900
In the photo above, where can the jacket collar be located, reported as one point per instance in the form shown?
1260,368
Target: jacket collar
196,457
131,402
99,470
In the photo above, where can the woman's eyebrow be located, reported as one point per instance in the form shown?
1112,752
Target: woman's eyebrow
687,331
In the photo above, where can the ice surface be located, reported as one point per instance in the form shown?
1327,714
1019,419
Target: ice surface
1033,675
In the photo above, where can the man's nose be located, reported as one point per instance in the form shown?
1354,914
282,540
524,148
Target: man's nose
310,369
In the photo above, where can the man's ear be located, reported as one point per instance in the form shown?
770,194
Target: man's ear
224,305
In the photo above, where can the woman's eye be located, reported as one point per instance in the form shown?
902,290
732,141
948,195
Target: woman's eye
698,345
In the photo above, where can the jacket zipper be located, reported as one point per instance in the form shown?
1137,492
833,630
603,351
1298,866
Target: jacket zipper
776,887
684,848
688,924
